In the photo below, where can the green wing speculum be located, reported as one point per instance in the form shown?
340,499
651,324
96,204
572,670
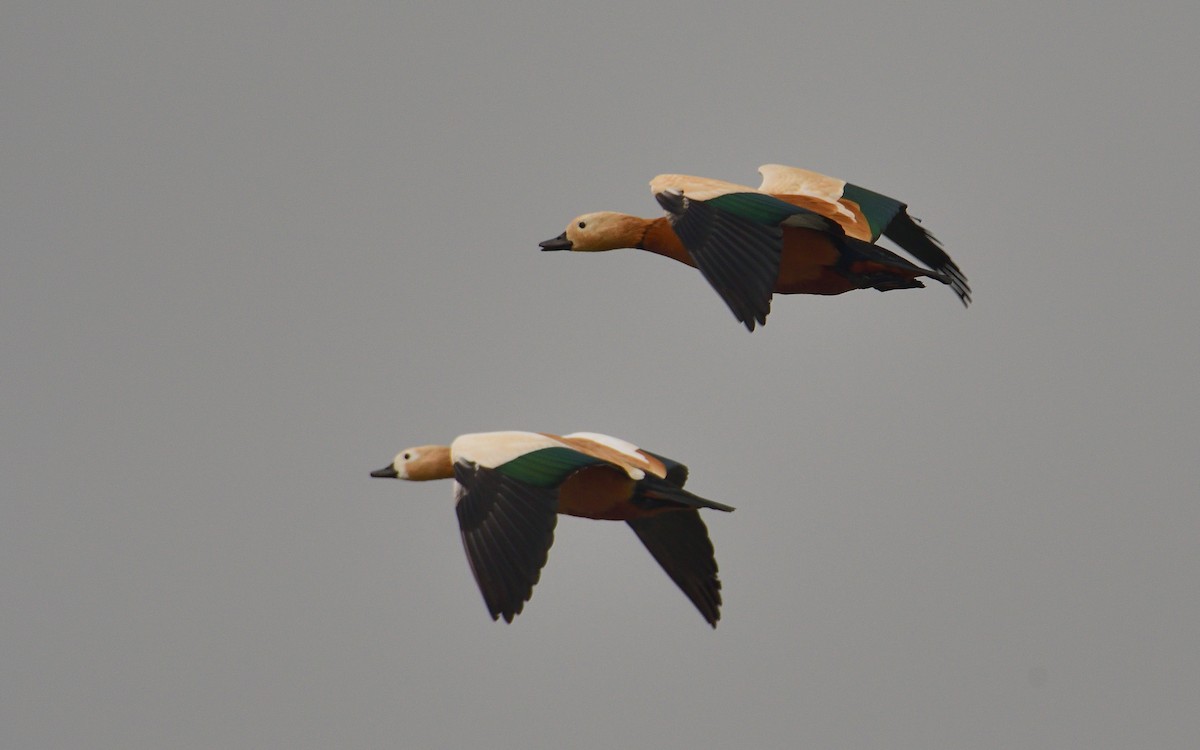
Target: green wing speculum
547,467
767,209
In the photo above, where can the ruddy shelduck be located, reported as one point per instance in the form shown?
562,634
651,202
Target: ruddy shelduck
799,232
510,486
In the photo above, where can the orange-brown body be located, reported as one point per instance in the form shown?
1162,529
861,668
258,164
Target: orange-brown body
599,492
604,492
807,266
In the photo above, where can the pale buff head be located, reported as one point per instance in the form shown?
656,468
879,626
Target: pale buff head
419,464
598,231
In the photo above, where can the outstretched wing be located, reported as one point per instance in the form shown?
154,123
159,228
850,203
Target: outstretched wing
507,528
734,235
738,257
679,541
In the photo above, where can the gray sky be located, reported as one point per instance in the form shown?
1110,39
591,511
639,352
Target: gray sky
253,249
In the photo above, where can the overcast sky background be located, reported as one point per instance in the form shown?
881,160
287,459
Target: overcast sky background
251,250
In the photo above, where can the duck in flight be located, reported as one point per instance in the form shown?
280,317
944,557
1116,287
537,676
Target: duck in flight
799,232
510,487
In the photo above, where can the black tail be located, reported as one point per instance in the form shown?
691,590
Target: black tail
653,493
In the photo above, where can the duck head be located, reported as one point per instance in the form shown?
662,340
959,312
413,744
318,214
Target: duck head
419,464
599,231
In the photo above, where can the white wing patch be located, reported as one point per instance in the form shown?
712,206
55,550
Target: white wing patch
617,444
624,447
696,188
784,180
777,180
491,449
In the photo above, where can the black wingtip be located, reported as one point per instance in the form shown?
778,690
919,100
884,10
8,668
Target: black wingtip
679,542
907,232
750,323
958,283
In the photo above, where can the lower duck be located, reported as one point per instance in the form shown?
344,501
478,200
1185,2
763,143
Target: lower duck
510,487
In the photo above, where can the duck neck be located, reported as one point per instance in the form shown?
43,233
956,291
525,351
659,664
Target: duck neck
622,230
659,238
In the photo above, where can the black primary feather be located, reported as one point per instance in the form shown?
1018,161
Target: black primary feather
507,529
679,542
739,258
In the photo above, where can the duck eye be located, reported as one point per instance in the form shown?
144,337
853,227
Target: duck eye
582,224
406,456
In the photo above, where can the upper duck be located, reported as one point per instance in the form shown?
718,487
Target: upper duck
509,486
799,232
